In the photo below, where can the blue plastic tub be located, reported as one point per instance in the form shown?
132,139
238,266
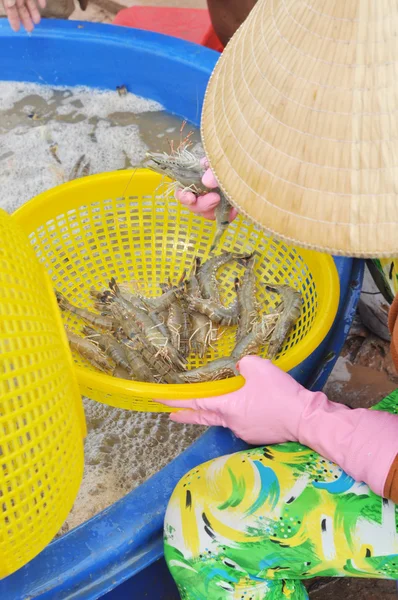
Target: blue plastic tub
118,553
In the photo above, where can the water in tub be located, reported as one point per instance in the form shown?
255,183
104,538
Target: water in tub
44,132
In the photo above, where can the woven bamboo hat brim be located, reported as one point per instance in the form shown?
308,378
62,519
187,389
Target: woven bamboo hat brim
300,123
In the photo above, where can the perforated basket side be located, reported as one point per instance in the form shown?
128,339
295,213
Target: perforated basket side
41,418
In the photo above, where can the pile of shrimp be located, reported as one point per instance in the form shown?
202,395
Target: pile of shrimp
149,339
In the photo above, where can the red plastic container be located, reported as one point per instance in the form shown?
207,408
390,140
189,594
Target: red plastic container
191,24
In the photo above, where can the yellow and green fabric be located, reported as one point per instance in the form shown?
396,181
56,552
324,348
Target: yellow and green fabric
251,525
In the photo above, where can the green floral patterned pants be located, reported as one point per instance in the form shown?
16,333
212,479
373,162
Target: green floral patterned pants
251,525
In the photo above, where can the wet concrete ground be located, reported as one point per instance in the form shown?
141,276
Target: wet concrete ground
364,373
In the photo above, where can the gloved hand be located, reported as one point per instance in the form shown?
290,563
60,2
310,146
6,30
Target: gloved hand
23,11
273,408
204,205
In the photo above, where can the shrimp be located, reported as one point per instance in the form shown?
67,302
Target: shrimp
151,358
207,274
54,152
77,168
121,373
257,337
187,170
129,303
111,347
178,322
101,321
201,325
89,351
162,303
141,321
135,299
182,166
219,314
221,212
202,334
247,301
138,307
160,321
103,309
86,169
140,368
222,368
192,285
101,295
291,308
126,321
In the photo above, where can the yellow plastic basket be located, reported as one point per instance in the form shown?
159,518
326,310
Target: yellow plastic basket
42,422
119,224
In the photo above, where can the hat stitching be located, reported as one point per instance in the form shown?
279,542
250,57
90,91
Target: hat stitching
253,159
317,12
315,111
340,141
333,87
315,58
337,40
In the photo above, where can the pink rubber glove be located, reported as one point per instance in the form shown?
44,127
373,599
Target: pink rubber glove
23,11
204,205
273,408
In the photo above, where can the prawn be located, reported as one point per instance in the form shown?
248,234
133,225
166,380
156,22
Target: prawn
103,309
192,285
122,90
86,169
203,333
184,167
121,373
81,168
135,299
187,170
101,295
150,357
54,152
140,321
138,307
219,314
101,321
130,302
222,368
207,274
257,337
89,350
201,325
126,321
170,293
246,293
291,308
178,322
141,369
111,347
221,213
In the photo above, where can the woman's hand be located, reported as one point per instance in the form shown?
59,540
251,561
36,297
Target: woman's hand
273,408
23,11
204,205
266,410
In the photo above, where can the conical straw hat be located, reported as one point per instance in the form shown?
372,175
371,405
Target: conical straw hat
300,123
